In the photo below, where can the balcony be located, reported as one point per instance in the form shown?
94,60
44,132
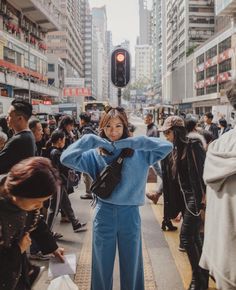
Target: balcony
225,7
43,12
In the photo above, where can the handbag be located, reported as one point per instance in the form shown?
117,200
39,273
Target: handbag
110,176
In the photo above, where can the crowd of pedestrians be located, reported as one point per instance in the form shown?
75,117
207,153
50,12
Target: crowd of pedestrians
39,169
198,184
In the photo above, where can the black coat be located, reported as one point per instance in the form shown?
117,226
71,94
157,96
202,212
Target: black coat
190,174
14,223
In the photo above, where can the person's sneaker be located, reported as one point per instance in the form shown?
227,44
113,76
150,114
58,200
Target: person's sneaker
64,219
39,256
79,227
87,196
35,275
57,236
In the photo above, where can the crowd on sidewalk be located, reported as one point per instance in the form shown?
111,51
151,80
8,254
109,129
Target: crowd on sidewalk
40,168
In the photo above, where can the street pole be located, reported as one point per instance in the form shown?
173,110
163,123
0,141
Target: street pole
119,96
29,94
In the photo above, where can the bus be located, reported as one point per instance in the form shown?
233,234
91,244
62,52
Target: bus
95,108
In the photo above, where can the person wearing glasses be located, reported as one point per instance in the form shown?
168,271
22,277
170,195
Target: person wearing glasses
184,190
116,221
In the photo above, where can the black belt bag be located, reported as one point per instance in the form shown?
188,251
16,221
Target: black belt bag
110,176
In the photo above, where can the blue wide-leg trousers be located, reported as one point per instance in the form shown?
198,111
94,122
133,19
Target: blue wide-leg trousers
117,226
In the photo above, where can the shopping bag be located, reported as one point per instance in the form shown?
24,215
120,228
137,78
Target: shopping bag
63,283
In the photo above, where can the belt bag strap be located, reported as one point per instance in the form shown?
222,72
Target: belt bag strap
110,176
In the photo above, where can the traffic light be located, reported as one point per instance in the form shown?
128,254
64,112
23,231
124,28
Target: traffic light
120,67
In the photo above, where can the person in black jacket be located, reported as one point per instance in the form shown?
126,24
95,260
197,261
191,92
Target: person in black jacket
210,126
61,199
22,144
184,191
22,193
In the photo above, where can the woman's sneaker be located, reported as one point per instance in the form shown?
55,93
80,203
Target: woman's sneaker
57,236
39,256
79,227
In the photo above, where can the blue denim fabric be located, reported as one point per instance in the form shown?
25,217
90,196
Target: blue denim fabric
117,226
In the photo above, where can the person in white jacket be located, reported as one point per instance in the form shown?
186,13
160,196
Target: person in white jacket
219,248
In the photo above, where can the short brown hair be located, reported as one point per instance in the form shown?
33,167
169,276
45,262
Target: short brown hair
34,177
110,113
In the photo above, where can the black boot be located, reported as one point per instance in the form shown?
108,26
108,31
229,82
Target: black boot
167,225
198,283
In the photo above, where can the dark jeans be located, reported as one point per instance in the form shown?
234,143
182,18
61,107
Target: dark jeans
190,234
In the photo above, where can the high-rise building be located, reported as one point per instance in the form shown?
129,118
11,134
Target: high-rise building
214,64
143,66
86,17
144,23
188,24
23,59
157,45
100,54
67,43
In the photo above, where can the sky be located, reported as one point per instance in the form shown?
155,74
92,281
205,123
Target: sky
122,19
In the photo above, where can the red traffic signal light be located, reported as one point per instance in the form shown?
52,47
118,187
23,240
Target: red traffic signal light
120,57
120,67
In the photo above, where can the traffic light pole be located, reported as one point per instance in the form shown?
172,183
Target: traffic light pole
119,96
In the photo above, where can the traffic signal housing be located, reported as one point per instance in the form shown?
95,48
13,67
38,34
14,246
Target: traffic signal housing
120,67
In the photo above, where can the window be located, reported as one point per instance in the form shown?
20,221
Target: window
9,55
200,92
211,71
200,59
51,67
211,52
211,89
225,44
51,82
200,76
225,66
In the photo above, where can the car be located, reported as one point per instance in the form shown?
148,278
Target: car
48,118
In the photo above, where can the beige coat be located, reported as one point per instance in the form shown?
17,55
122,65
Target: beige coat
219,249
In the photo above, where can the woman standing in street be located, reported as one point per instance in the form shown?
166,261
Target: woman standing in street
184,190
116,219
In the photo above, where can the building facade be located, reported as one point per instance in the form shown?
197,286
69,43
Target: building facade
87,43
157,46
144,24
188,25
23,59
143,66
100,63
67,43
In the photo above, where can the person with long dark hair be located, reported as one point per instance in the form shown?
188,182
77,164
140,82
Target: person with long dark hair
67,125
116,219
184,189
